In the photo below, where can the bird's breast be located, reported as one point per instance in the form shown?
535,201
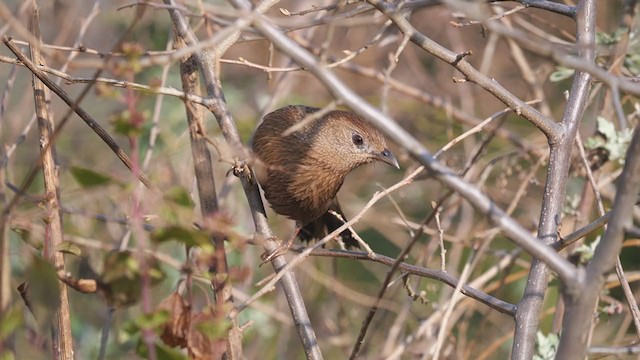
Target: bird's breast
302,193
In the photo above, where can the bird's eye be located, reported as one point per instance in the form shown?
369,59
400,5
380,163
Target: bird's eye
357,140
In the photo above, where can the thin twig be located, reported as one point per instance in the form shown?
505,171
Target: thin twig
626,289
208,199
206,62
545,124
584,295
383,288
104,135
269,286
511,228
62,341
467,289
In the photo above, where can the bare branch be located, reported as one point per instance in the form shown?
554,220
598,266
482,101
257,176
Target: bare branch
104,135
530,305
407,268
62,339
512,229
555,7
581,297
203,170
614,350
288,282
545,124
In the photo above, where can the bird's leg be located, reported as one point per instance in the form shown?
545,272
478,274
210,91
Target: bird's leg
282,248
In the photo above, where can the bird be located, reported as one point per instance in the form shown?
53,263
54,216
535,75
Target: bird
301,158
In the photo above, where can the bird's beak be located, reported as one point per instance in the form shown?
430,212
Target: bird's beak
387,157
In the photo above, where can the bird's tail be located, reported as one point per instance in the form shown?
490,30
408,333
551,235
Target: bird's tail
326,224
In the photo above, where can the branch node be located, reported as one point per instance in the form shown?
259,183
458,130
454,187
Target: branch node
241,169
461,56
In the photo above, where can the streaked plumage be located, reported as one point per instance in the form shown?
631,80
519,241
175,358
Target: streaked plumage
302,172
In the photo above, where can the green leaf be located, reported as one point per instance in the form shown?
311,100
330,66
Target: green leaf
67,247
119,265
11,320
632,62
42,290
593,143
88,178
153,321
586,251
179,196
615,142
122,124
164,352
190,237
214,329
129,125
606,127
603,38
561,73
122,277
131,330
546,346
7,355
618,147
25,235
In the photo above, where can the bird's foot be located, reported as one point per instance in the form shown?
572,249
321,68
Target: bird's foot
267,256
281,249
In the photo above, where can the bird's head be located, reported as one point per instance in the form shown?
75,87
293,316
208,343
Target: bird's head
355,142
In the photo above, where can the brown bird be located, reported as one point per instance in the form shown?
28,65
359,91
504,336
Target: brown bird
302,170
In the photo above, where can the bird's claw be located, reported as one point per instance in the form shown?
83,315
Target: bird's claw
280,250
267,256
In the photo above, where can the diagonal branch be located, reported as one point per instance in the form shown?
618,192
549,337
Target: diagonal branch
104,135
481,202
203,169
206,64
558,8
530,306
551,129
439,275
555,7
581,298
